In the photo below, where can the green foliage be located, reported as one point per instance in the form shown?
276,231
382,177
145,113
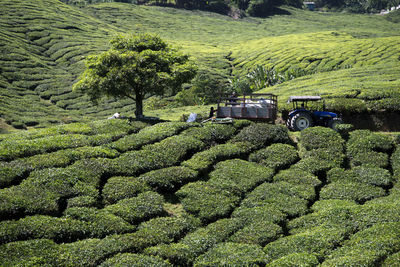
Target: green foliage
232,254
168,179
212,133
135,260
294,176
296,259
276,156
317,241
118,188
136,209
202,161
194,244
358,192
368,175
134,67
261,135
148,135
367,246
321,137
258,233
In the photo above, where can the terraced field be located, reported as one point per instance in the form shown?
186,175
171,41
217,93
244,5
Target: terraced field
179,194
44,42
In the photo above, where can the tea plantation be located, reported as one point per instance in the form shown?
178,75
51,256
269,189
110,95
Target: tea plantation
115,192
350,58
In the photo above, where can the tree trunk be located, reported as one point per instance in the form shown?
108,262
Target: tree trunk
139,106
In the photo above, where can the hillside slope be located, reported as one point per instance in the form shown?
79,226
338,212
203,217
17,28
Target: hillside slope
45,42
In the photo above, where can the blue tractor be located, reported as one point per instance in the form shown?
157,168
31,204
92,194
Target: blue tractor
300,117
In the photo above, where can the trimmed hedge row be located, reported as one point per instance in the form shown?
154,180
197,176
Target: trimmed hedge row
260,135
348,190
317,241
363,174
347,216
321,137
135,260
14,171
218,196
295,260
202,161
168,179
133,210
276,156
118,127
149,135
367,247
41,192
166,153
232,254
288,198
91,252
119,187
194,244
395,163
211,133
294,176
100,221
392,260
369,148
257,233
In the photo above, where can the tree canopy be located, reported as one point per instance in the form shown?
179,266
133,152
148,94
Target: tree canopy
135,67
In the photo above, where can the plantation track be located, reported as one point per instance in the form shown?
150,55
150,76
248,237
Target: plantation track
247,191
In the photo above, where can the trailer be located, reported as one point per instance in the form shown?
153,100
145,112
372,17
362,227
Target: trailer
258,107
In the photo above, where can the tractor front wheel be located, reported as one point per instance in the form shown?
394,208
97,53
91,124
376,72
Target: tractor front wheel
301,121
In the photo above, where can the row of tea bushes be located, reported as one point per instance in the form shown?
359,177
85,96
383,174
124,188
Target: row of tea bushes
11,148
217,197
185,252
79,224
43,191
149,135
116,127
93,251
368,247
368,148
14,171
276,156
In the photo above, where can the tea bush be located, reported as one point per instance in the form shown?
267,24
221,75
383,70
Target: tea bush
164,154
294,176
370,246
258,233
358,192
370,158
100,221
318,241
266,214
149,135
30,253
283,196
232,254
395,163
365,140
296,259
207,201
194,244
363,174
321,137
138,260
210,133
202,161
38,226
145,206
276,156
261,135
118,188
344,130
392,260
238,175
82,201
12,172
327,204
168,179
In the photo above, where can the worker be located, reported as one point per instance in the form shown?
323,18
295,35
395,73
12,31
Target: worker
233,99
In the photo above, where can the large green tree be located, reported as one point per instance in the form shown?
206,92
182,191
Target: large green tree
135,67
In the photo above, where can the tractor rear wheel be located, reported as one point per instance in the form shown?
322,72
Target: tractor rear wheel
334,122
301,121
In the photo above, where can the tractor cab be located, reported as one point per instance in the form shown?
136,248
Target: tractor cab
302,117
